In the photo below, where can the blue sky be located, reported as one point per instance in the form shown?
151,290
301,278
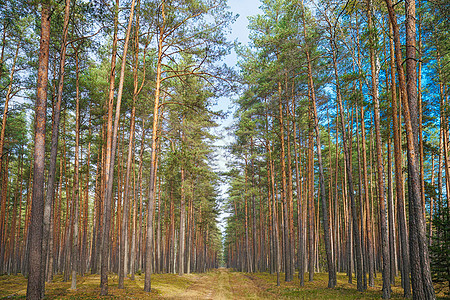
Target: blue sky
244,8
240,32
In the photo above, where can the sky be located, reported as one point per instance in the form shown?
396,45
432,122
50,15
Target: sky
239,32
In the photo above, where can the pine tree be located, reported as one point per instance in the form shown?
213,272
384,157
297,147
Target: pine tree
440,250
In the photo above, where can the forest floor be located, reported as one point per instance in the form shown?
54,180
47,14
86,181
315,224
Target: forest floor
216,284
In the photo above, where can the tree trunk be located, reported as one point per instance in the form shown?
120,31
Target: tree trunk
332,280
54,145
107,199
84,258
125,216
3,130
99,188
355,228
360,186
153,169
310,204
3,198
17,256
248,265
286,238
254,239
430,229
181,246
136,92
35,288
399,177
276,248
290,197
420,273
76,183
111,152
298,171
380,168
391,222
139,241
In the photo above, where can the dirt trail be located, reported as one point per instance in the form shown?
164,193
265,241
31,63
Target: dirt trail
221,284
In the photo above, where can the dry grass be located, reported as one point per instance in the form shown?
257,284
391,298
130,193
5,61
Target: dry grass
163,286
318,289
217,284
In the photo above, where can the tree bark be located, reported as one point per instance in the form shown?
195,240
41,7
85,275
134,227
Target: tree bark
153,169
126,205
399,177
332,280
290,198
35,286
380,168
350,191
298,171
286,238
107,199
54,145
422,285
135,94
85,255
391,220
76,181
182,241
276,239
112,151
3,198
310,202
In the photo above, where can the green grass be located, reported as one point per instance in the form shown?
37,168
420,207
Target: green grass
221,284
318,289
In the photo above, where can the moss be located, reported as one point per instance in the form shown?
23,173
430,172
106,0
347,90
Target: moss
318,289
13,286
216,284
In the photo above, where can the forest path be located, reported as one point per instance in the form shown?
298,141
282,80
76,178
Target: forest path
215,284
220,284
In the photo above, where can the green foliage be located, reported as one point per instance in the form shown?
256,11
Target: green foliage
440,250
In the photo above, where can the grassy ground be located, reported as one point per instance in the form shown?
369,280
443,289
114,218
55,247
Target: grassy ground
318,289
217,284
14,287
